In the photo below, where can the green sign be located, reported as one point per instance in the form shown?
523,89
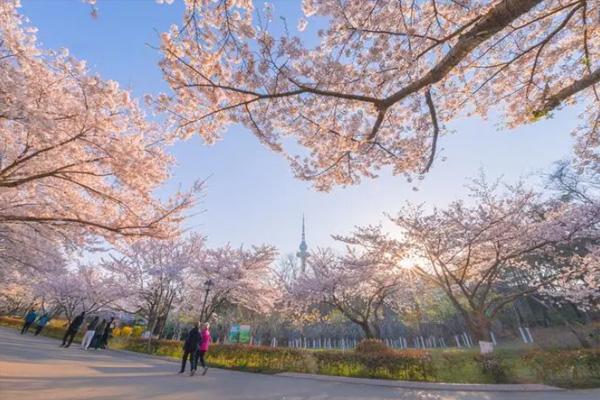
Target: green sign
239,334
244,334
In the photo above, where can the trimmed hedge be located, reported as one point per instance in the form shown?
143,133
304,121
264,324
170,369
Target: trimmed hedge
576,367
405,365
370,346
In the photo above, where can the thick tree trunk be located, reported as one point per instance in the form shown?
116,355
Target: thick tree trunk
480,326
376,328
160,325
371,330
368,330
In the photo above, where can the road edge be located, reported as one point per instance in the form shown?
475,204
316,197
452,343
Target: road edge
437,386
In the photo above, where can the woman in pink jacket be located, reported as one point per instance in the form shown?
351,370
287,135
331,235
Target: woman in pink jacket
205,340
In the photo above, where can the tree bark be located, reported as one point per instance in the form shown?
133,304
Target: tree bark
480,326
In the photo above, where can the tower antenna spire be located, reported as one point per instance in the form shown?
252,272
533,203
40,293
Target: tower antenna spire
302,254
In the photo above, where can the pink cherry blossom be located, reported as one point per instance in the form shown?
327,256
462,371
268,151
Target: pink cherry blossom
77,155
384,79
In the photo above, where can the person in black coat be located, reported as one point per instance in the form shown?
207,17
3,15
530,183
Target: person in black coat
97,340
107,333
190,348
72,329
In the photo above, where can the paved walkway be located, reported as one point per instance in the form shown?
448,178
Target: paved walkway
35,368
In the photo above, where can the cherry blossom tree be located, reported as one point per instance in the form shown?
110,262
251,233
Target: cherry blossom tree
29,249
87,288
473,251
27,256
384,78
15,292
240,277
582,189
77,156
153,274
361,283
288,269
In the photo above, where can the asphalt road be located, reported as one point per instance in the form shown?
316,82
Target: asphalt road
33,368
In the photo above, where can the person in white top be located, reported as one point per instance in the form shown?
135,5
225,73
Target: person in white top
89,334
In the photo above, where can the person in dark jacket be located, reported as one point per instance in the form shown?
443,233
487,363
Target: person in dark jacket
41,323
190,348
107,333
72,329
97,340
29,319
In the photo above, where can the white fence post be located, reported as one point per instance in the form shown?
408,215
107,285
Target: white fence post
523,335
529,334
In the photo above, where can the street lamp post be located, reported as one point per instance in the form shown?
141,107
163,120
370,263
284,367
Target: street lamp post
207,285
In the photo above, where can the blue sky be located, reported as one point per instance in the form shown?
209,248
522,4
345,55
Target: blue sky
252,196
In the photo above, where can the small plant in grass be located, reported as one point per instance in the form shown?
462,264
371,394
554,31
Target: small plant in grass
493,368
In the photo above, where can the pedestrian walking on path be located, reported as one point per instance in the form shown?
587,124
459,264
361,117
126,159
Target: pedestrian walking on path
29,319
205,340
190,350
97,340
89,333
72,329
107,333
41,323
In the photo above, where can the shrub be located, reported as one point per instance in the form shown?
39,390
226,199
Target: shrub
12,322
406,365
388,364
137,331
371,346
126,331
564,366
493,368
262,358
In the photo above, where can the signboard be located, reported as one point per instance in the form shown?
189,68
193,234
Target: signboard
239,334
244,334
486,347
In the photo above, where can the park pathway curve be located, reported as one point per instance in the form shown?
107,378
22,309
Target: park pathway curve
35,368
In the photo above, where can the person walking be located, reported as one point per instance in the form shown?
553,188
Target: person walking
190,349
89,333
41,323
205,340
29,318
72,329
97,340
107,332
